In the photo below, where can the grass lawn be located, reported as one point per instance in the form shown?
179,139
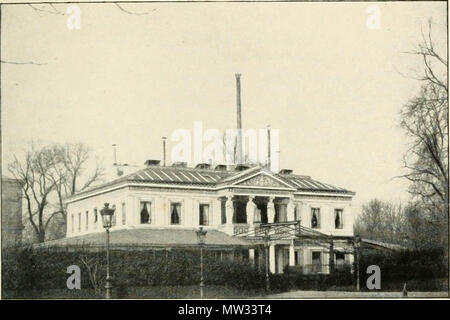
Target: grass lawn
157,292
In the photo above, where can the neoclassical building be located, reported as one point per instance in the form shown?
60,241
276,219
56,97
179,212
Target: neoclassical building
163,206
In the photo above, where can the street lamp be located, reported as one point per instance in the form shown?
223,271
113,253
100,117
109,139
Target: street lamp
357,246
107,215
266,254
201,235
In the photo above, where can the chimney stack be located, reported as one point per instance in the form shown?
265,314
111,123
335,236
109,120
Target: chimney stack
115,154
268,147
239,121
164,150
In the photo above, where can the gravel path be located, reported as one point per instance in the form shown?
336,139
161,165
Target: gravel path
347,294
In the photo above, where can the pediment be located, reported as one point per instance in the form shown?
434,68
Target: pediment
262,180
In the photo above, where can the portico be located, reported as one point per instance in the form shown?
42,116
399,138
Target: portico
242,213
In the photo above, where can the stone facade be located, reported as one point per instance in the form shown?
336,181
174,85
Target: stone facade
235,203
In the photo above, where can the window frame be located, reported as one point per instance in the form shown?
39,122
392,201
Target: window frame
318,217
123,213
208,220
95,215
114,217
150,210
180,213
317,267
341,219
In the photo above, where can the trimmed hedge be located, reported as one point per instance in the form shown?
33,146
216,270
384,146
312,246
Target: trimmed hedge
27,269
422,270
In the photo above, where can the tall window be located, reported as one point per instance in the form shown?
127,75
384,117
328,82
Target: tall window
223,213
175,213
296,213
124,214
316,261
72,222
315,217
95,216
338,222
146,216
204,214
113,221
79,221
280,212
87,220
340,260
240,212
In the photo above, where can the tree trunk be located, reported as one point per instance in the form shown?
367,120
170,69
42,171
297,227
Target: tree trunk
41,236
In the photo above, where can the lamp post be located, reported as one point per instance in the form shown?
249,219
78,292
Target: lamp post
266,254
107,214
357,245
201,235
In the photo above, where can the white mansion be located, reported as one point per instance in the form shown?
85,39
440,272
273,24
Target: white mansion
163,206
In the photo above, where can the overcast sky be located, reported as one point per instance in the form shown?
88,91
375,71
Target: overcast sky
313,70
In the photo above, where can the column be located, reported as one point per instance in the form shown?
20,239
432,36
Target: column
250,210
331,257
229,215
229,210
306,260
272,258
251,256
291,254
290,210
270,210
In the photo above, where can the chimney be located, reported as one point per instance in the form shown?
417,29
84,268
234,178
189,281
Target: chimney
179,164
151,162
239,120
164,150
268,147
115,154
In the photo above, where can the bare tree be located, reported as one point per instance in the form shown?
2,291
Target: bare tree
49,175
69,171
35,172
425,120
381,220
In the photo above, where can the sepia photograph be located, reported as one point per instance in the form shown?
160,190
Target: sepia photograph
224,150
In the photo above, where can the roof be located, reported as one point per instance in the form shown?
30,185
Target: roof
149,237
209,178
381,245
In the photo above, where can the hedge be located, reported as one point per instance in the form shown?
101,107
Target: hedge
25,270
28,269
421,270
